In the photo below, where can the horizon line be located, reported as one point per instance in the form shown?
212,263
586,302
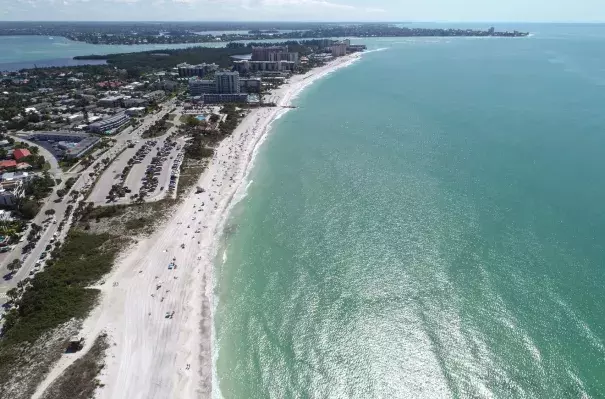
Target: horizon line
310,21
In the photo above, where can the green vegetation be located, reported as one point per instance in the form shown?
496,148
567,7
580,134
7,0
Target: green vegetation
303,47
39,187
141,62
195,149
186,118
124,219
68,185
158,129
138,223
36,189
29,208
70,182
102,212
11,228
79,380
36,161
231,121
190,172
13,267
60,292
192,121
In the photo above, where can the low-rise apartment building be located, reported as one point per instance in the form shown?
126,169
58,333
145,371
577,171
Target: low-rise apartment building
108,124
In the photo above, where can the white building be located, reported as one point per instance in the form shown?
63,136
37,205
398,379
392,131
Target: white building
108,124
197,87
11,192
186,70
110,102
224,98
223,83
250,85
74,118
10,177
135,111
245,66
274,53
339,49
227,82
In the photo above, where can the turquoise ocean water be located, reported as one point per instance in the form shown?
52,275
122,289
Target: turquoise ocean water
429,223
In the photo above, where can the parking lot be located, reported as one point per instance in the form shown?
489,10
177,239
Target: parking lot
144,170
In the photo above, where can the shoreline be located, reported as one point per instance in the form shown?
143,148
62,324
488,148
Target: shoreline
152,355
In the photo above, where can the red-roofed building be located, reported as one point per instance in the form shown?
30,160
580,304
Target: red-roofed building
8,163
110,84
21,153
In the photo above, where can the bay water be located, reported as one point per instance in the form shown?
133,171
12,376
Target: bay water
428,223
19,52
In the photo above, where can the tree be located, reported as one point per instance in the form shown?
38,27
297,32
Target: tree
14,265
12,294
29,209
49,212
34,150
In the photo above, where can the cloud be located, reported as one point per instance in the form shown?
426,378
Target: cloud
374,9
306,3
269,4
222,10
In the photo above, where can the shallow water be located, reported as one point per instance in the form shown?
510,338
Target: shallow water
428,223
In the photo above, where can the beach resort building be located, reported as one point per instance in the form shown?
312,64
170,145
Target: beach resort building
197,87
274,53
186,70
245,66
216,90
224,98
250,85
339,49
227,82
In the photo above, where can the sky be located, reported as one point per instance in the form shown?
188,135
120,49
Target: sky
304,10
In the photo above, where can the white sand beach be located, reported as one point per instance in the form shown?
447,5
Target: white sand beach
152,356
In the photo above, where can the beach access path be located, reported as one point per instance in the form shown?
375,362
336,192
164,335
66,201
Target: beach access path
159,320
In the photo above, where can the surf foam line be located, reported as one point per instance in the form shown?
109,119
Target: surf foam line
291,92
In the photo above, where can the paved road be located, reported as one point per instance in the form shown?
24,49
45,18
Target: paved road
111,176
133,180
83,182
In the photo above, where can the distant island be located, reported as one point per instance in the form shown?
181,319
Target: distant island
147,61
178,33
